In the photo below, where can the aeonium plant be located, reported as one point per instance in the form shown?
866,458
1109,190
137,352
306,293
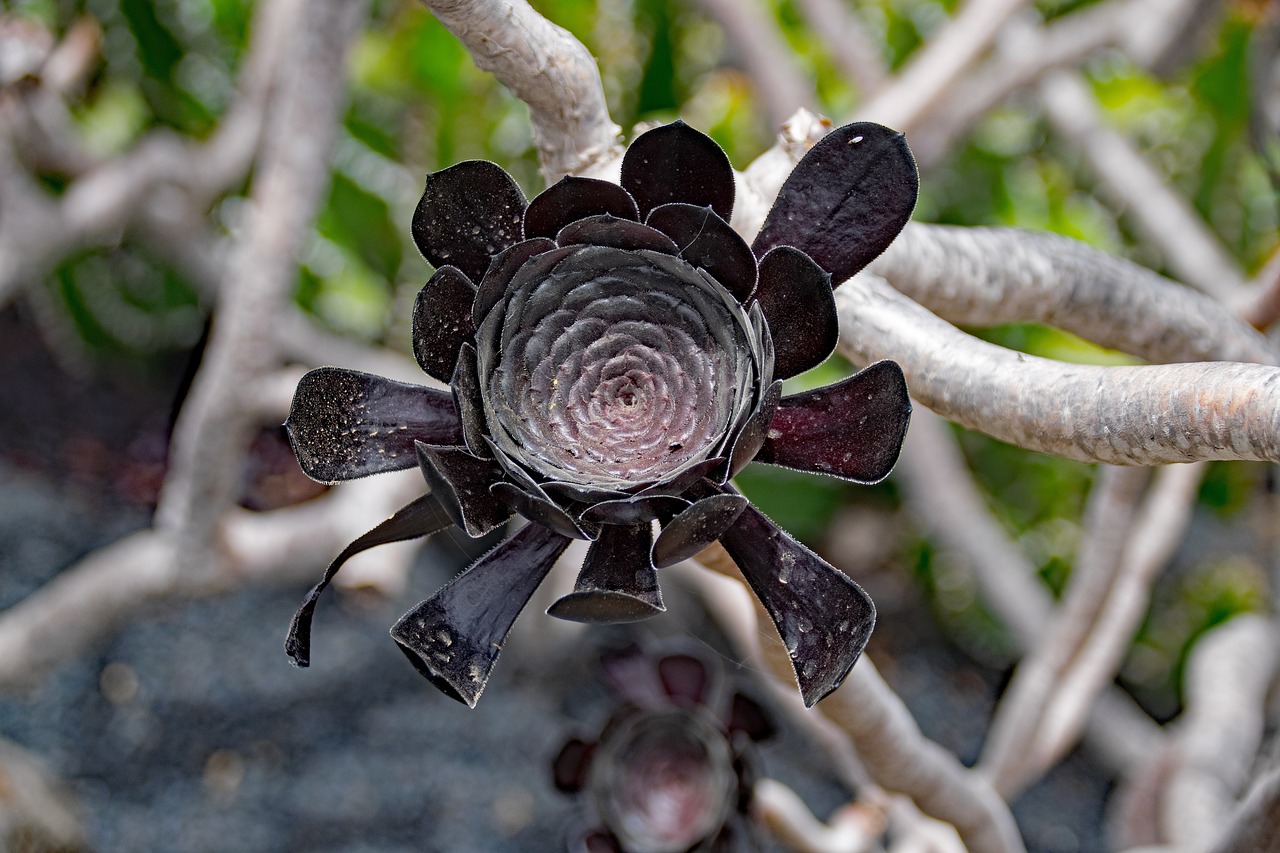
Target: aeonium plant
616,355
674,768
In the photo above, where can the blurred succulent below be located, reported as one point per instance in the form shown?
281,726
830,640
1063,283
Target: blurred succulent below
616,354
673,769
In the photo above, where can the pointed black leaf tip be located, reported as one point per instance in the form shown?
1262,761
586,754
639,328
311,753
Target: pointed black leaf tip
422,516
297,642
454,637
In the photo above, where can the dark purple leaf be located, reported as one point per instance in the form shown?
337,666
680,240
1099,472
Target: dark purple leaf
422,517
608,230
705,240
631,673
795,295
461,482
454,637
695,528
442,321
345,424
574,198
852,429
470,408
633,510
755,431
617,582
468,212
747,716
824,617
684,479
677,163
540,510
503,268
686,680
570,768
846,200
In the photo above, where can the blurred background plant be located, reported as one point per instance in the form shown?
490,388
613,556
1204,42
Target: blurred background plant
105,313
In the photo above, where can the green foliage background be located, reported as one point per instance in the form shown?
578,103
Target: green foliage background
419,104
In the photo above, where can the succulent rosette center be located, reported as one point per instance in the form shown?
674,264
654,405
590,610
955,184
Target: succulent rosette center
615,355
616,370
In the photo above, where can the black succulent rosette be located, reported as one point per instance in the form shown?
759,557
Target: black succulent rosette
616,355
674,769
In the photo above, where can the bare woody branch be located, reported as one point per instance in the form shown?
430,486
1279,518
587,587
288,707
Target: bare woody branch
1220,731
1162,215
932,72
768,61
109,586
985,276
896,754
854,50
547,68
1021,61
943,495
212,432
109,198
1122,415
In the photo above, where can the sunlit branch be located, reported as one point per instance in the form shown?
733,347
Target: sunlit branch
547,68
1123,415
987,276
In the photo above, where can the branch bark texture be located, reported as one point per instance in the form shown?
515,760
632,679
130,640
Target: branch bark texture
547,68
1122,415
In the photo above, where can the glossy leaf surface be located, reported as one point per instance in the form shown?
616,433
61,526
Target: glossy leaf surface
442,321
795,295
461,482
846,200
468,213
422,517
573,198
617,582
853,429
345,424
706,241
824,618
454,637
677,163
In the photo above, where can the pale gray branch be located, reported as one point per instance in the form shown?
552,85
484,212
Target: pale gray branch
1220,731
1162,215
941,491
986,276
934,70
1123,415
1022,58
89,599
1255,827
897,756
213,429
547,68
